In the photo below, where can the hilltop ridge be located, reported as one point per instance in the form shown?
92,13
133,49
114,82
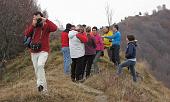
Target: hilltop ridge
19,83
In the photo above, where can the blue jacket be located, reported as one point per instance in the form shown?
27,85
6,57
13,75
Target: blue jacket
116,38
131,50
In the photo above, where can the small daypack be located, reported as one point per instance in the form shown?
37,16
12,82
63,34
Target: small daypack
29,44
27,39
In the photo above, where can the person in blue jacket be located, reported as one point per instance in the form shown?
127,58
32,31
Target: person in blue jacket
130,57
116,40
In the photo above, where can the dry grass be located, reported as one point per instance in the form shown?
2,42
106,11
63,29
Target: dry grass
123,89
19,84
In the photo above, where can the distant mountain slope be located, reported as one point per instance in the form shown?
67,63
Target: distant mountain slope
153,35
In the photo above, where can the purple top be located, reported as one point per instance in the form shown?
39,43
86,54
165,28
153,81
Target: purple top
90,46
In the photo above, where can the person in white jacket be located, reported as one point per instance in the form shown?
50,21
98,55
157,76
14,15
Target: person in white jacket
77,38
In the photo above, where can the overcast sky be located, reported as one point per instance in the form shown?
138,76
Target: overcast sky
92,12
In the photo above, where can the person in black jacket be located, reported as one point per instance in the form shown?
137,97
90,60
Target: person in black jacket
130,57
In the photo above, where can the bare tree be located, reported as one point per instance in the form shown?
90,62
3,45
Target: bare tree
59,24
109,14
15,15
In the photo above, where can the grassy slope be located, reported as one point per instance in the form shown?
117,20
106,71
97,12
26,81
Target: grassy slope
19,83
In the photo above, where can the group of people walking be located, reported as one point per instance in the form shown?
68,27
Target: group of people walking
83,49
82,46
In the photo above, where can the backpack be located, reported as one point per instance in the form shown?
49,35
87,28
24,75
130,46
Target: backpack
27,39
29,44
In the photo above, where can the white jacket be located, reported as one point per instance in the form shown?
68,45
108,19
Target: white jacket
77,48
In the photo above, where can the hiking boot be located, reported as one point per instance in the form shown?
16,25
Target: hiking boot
40,88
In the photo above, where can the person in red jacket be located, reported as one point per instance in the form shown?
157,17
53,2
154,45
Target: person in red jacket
65,49
40,30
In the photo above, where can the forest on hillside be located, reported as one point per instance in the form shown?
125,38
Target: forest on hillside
15,15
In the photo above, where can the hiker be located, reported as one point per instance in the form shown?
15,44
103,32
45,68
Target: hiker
77,38
65,49
116,40
90,52
108,42
99,48
39,47
130,57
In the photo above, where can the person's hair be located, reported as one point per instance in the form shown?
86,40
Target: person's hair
107,27
84,25
68,26
80,28
73,26
88,29
131,37
116,26
38,13
94,28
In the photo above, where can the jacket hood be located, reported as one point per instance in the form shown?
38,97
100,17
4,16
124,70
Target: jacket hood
133,42
72,33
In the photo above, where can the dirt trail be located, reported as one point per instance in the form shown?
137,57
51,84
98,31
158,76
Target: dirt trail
100,96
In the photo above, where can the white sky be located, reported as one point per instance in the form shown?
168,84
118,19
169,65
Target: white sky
92,12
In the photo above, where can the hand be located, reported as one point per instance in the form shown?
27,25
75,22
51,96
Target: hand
43,19
34,21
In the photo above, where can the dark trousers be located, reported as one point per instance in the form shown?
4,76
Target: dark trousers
88,61
76,68
115,54
131,66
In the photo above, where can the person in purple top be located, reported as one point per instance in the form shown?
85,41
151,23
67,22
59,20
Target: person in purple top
90,52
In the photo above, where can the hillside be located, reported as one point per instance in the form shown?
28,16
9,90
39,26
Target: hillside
152,33
18,84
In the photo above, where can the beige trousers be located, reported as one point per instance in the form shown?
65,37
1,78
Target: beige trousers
39,60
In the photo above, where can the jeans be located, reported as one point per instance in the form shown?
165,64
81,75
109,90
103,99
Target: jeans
131,66
115,54
67,59
39,60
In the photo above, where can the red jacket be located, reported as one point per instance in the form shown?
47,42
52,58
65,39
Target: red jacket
64,38
46,29
82,37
